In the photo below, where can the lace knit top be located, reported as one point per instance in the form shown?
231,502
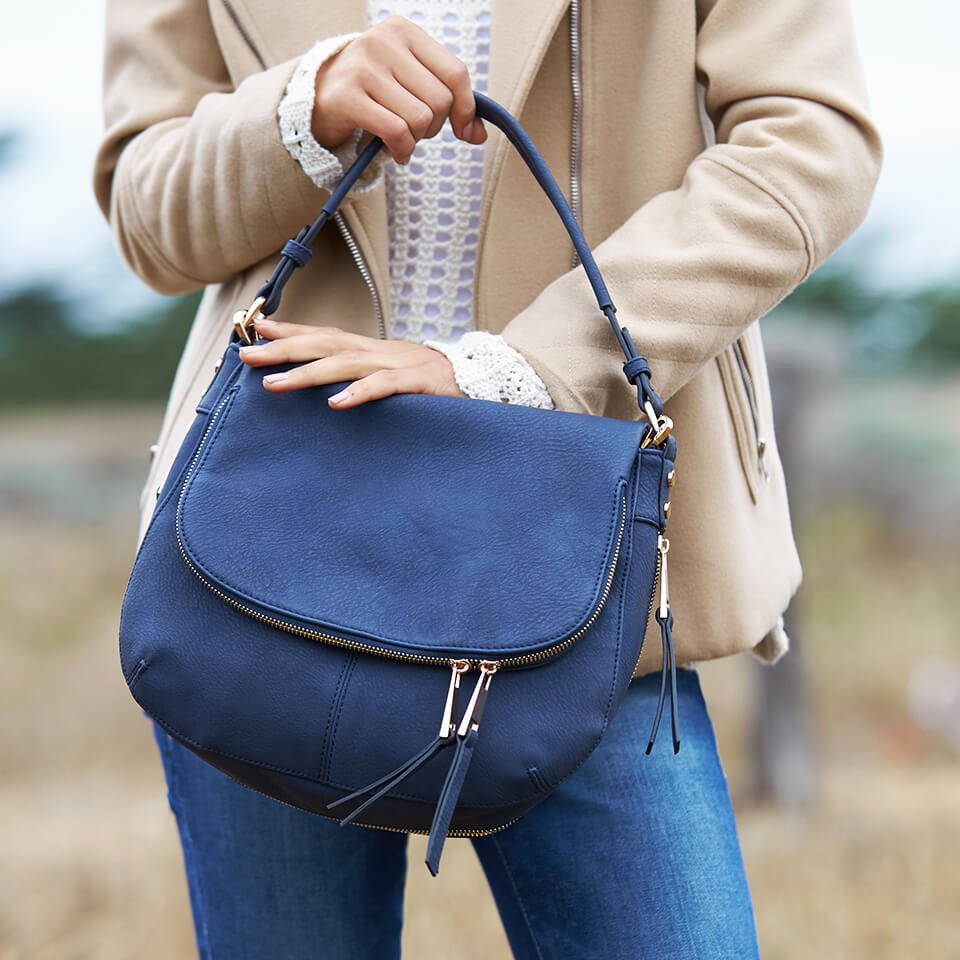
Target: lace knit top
433,207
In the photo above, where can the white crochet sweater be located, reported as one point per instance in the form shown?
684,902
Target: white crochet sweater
433,206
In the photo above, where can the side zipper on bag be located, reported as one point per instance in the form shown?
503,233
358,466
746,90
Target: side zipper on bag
669,666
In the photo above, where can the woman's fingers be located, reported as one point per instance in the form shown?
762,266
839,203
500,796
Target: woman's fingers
426,88
380,383
454,75
341,366
399,83
377,367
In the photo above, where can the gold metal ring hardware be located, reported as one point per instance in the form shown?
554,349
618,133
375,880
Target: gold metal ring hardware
664,427
660,427
243,320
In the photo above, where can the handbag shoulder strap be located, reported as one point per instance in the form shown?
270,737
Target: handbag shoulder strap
297,251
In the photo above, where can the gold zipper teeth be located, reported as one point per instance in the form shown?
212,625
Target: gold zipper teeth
550,651
357,645
653,596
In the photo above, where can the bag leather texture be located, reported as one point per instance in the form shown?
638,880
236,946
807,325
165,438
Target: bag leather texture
311,578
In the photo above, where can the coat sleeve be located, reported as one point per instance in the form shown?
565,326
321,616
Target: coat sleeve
790,176
192,174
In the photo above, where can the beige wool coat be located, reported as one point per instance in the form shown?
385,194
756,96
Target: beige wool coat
725,150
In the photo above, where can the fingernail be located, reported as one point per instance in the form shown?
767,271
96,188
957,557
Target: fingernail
275,378
340,397
253,348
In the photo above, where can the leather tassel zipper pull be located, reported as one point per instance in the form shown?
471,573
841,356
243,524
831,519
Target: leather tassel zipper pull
444,738
466,741
664,616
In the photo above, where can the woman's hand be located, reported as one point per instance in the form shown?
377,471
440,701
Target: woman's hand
378,368
399,83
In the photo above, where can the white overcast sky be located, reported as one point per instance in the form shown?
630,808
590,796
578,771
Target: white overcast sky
50,89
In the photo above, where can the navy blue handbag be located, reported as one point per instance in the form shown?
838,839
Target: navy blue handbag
326,602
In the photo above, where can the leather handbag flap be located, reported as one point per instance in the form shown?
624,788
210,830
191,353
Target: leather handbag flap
466,528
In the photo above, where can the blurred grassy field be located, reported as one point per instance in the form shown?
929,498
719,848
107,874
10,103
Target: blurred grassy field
91,867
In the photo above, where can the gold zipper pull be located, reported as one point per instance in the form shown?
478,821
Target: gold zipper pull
449,722
665,619
663,545
457,773
474,711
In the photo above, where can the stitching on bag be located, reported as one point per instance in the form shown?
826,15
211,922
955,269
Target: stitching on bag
211,443
232,756
334,702
138,672
538,779
310,778
339,700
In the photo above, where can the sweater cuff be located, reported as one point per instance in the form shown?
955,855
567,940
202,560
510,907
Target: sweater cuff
486,367
324,167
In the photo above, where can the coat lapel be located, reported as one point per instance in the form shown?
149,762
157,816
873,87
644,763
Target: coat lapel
519,36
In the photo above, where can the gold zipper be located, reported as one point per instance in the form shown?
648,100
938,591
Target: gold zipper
550,651
357,645
653,595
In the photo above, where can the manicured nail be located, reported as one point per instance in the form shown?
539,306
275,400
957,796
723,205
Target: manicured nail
264,321
275,378
253,348
341,396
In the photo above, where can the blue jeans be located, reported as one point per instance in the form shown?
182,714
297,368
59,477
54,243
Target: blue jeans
633,856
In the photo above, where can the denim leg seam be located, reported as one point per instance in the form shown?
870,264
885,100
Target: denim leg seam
523,909
186,838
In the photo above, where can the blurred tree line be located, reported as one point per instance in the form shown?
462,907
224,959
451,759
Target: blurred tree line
51,354
48,356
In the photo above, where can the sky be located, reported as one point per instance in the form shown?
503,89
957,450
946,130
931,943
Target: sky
50,91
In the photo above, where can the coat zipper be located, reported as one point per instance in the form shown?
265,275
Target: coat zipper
361,263
577,114
358,645
748,386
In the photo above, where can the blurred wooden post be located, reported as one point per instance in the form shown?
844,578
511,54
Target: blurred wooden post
783,764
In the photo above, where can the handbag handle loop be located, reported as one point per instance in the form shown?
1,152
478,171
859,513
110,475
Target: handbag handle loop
297,251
